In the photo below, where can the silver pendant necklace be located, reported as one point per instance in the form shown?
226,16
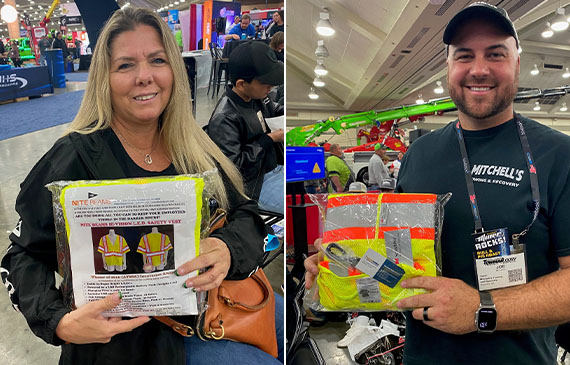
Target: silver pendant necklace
147,157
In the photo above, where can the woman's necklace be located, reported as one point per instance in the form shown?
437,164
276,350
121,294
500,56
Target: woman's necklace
147,157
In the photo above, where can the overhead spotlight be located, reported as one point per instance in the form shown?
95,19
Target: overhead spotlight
534,71
566,73
324,26
559,22
536,106
313,94
439,88
176,3
318,82
321,51
8,13
547,32
420,100
563,108
320,69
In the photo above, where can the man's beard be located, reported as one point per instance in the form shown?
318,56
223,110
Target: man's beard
476,110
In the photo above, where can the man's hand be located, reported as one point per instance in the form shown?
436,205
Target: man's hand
87,325
277,136
216,256
311,265
451,303
235,36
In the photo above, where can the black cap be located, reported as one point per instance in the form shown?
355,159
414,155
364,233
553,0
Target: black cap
480,10
256,60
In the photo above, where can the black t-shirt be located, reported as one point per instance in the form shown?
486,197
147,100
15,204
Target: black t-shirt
502,186
276,28
127,164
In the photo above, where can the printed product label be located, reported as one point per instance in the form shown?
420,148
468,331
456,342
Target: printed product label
379,268
368,291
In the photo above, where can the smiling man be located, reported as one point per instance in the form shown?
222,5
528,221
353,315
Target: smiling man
509,176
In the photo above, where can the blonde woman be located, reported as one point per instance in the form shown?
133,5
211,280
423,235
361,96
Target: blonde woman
135,120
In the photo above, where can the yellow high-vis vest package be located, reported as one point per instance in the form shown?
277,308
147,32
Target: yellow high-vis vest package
373,242
130,235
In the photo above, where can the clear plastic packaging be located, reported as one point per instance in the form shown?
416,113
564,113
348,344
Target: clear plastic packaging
370,244
129,235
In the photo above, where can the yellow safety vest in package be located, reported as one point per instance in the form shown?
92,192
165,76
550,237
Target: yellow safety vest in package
372,243
130,235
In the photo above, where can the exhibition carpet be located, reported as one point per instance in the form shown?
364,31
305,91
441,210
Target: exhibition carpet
36,114
77,76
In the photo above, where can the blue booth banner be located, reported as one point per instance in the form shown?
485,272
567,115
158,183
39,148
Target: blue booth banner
21,82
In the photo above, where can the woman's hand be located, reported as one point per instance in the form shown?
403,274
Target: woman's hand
216,257
311,265
87,325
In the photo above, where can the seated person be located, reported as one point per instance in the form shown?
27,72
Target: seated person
238,124
243,30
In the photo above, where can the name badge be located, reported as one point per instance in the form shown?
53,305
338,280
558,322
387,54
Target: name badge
497,264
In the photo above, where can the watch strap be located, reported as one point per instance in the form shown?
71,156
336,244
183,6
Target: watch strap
486,298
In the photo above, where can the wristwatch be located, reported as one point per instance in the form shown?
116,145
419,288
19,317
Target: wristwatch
486,315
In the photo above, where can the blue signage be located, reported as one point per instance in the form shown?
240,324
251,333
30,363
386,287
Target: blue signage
304,163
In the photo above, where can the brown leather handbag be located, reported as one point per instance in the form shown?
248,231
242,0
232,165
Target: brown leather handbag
237,310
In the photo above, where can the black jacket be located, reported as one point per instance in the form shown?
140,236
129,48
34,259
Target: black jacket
60,43
31,260
235,127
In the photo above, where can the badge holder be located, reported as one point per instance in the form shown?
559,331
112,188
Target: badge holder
498,263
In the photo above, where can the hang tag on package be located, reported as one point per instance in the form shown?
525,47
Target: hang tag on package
380,268
496,267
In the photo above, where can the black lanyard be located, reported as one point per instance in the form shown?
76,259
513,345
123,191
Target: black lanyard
471,187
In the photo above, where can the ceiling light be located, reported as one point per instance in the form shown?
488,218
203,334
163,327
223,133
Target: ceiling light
313,94
566,73
182,1
563,108
439,88
547,32
324,26
534,71
536,106
8,13
559,22
318,82
420,100
320,69
176,3
321,51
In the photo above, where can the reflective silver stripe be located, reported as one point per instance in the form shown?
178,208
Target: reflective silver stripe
407,215
354,215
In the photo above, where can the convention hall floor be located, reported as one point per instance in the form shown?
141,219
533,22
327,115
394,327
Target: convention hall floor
18,345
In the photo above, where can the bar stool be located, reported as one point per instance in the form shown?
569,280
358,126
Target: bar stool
221,66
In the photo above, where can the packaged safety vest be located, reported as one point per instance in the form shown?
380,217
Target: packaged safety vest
372,243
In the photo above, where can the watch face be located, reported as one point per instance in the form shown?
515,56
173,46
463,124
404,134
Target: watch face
487,319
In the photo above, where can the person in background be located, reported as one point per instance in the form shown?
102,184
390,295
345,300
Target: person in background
3,59
135,120
278,24
14,54
43,44
238,123
277,43
338,173
395,165
236,20
59,42
243,30
377,170
77,48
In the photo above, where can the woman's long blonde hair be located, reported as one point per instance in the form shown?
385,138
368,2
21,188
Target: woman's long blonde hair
188,146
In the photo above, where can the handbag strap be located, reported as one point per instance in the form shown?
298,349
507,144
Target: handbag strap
231,303
180,328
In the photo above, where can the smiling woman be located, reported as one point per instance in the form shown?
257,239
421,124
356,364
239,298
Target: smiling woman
135,120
